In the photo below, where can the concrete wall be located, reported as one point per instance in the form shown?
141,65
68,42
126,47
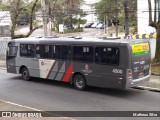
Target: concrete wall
143,17
3,47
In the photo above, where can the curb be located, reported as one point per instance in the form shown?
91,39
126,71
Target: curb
147,88
155,74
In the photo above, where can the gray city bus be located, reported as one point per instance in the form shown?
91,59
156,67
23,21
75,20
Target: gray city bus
82,62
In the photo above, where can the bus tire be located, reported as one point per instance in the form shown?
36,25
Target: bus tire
25,74
79,82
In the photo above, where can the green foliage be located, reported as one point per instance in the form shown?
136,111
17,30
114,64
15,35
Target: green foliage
109,8
83,21
74,30
23,16
64,11
134,30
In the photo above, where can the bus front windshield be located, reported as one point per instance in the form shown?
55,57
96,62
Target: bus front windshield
12,51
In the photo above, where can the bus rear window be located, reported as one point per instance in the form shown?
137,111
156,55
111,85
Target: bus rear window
12,51
140,49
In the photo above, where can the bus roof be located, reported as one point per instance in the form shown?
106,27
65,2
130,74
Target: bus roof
78,40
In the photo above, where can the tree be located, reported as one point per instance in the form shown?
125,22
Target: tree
56,12
17,9
109,8
156,24
105,8
72,7
62,11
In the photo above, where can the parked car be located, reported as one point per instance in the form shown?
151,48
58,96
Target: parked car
94,25
88,25
100,26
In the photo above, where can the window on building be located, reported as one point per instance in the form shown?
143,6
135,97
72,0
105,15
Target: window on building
27,50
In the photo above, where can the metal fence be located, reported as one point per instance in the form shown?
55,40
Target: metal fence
3,47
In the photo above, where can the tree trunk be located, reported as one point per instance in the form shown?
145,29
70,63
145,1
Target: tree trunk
14,19
71,21
157,56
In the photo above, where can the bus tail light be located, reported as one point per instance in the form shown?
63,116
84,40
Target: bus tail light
129,74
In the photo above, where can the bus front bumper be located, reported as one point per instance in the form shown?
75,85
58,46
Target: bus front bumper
137,82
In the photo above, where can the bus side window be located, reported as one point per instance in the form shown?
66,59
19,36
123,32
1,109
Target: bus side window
31,50
78,53
47,51
57,52
40,51
66,52
100,55
38,55
109,56
27,50
112,56
88,54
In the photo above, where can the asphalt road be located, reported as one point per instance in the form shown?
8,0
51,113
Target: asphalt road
56,96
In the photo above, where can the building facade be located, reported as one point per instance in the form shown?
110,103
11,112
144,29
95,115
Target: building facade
89,8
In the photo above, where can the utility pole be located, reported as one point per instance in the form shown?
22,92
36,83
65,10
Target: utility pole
43,5
126,18
116,18
50,19
104,24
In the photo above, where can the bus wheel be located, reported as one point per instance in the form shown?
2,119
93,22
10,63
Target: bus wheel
79,82
25,74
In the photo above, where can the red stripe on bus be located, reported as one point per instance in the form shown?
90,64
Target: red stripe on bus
68,73
50,70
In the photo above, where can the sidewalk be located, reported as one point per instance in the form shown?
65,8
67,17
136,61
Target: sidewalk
2,63
153,83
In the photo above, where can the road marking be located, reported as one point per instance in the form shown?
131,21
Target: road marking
33,109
